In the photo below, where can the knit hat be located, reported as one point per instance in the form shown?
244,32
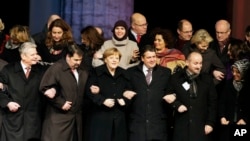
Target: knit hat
242,66
123,24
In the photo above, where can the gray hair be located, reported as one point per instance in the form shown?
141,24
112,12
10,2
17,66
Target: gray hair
23,49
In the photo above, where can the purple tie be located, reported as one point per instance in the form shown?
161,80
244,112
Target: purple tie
149,76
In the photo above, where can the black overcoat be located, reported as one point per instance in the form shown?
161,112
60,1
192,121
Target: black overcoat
148,110
26,122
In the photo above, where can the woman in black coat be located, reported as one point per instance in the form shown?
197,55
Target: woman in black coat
107,120
234,106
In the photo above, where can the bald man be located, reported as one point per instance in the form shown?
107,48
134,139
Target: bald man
138,30
193,96
185,33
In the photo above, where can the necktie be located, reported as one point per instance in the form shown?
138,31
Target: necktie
149,76
27,72
138,39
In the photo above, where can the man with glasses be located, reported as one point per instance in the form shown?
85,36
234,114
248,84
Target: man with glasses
185,33
138,30
220,45
223,39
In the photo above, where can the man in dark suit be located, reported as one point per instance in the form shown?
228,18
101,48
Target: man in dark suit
138,30
148,111
193,96
21,101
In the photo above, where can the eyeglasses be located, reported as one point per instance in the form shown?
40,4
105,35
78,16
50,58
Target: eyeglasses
217,32
186,32
142,25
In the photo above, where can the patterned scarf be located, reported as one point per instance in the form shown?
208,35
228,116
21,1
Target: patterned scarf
237,85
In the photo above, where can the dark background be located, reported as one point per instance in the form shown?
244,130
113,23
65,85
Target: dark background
167,13
159,13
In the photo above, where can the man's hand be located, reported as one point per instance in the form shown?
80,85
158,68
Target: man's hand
50,93
129,94
109,102
208,129
169,98
13,106
218,75
182,109
94,89
67,105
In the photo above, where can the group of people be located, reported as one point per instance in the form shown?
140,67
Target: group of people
139,85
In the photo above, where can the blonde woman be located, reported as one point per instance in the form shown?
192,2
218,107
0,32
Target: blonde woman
107,83
211,63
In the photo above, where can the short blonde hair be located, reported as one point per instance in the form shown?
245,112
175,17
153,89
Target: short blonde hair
111,51
200,36
1,25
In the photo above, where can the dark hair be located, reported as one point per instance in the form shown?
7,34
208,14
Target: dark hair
146,48
72,49
166,34
247,30
239,49
95,39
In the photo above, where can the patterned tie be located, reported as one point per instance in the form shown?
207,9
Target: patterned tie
149,76
138,39
27,72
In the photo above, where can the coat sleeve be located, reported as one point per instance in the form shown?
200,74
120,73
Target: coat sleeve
212,103
48,81
95,98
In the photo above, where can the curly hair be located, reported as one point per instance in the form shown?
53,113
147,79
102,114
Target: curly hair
167,36
67,37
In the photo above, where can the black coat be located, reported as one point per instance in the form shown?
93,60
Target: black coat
234,106
148,110
26,122
106,124
201,111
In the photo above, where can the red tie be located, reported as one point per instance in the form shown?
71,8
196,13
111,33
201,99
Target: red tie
138,39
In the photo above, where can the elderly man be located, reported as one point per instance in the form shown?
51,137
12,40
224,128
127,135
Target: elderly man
21,100
138,30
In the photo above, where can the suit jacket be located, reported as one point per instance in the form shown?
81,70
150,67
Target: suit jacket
148,110
145,39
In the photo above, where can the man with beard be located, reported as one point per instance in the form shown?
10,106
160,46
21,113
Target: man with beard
63,84
193,96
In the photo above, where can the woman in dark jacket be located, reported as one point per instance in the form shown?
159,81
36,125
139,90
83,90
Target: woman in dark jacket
234,106
107,119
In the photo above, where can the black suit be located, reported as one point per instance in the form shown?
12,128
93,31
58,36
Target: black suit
148,111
